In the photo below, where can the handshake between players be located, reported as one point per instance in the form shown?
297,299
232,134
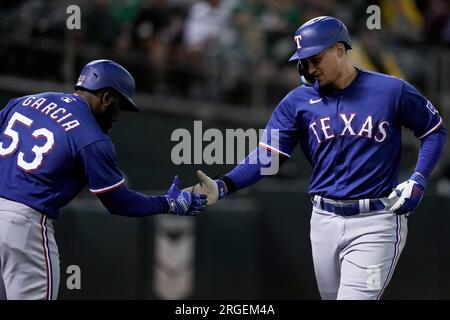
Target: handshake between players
192,200
404,199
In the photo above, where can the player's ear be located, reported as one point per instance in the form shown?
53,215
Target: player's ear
107,97
340,49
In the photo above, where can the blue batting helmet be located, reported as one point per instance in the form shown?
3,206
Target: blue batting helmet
317,35
100,74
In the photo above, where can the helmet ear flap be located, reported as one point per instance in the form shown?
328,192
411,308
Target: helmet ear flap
305,78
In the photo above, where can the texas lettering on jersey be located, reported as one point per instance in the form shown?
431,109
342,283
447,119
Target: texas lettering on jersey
350,137
323,129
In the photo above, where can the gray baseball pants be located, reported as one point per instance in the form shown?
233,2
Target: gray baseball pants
355,256
29,259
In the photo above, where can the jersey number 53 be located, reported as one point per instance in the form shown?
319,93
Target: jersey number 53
39,151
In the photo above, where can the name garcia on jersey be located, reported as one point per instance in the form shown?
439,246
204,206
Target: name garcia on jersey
55,112
323,130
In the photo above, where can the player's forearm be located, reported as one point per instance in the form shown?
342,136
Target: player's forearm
251,170
125,202
242,176
430,151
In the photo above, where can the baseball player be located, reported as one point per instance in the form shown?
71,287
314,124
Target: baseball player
51,146
348,124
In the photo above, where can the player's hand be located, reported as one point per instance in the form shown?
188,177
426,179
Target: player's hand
184,203
209,187
409,194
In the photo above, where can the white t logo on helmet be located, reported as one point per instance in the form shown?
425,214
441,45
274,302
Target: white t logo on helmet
297,40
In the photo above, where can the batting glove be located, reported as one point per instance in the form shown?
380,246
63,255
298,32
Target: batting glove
214,189
409,194
184,203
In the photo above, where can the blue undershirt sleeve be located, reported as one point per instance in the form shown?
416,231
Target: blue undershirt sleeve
124,202
430,151
258,164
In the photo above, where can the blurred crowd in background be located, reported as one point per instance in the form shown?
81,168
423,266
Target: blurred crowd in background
231,52
226,44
